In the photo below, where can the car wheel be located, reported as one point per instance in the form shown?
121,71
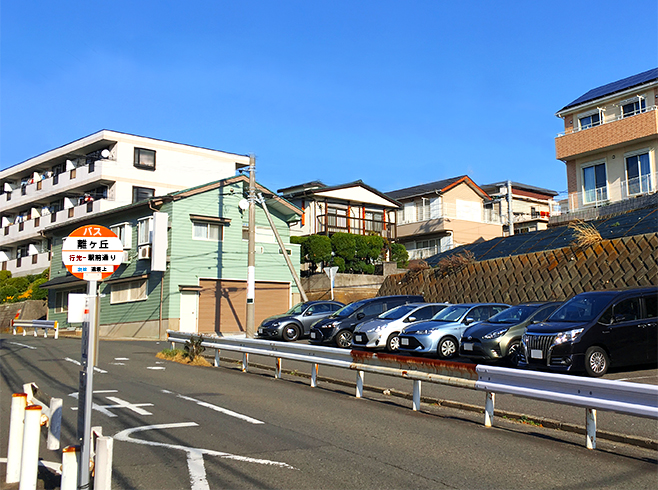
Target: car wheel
447,348
344,339
290,332
393,342
596,362
513,354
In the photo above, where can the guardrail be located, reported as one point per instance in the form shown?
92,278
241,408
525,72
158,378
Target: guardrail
35,324
592,394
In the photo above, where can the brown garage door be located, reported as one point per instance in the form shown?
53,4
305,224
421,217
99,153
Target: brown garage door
223,304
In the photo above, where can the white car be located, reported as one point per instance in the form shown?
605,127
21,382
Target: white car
382,332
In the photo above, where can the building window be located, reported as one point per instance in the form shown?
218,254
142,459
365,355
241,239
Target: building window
124,232
638,174
595,186
142,193
145,158
125,292
62,300
144,229
207,231
633,107
590,121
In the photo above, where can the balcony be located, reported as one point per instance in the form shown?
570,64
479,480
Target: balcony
31,264
31,228
44,190
330,224
612,132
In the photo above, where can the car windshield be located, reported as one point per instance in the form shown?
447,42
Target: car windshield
451,313
515,314
297,309
347,310
582,308
398,312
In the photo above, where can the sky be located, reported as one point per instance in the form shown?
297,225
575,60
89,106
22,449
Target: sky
393,93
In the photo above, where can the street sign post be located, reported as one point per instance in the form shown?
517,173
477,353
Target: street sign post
331,273
91,253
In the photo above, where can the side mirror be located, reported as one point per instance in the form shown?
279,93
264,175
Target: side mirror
469,320
410,319
360,315
308,313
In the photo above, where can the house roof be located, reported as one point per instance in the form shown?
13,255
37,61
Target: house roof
319,191
315,184
281,205
439,187
614,87
493,188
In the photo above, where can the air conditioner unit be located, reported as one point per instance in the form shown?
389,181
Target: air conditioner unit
145,252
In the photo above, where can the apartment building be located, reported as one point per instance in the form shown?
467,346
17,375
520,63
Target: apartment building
438,216
349,208
94,174
609,144
532,206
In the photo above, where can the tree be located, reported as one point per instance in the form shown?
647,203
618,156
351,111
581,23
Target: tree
318,249
399,255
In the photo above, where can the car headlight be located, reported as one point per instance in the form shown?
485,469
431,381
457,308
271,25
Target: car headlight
274,324
495,334
568,336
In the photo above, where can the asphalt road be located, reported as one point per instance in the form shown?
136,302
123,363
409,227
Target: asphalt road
185,427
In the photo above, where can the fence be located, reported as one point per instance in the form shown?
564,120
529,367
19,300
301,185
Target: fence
592,394
35,324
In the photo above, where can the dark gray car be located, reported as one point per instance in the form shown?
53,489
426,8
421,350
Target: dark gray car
296,323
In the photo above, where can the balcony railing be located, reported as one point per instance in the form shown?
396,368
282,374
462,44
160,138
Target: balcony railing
613,192
29,264
605,120
449,210
359,226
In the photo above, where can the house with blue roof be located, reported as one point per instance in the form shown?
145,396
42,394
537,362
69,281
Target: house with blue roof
609,144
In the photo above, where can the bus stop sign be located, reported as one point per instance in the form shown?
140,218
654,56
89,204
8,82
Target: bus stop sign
92,253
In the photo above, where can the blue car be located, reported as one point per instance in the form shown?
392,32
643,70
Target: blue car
441,334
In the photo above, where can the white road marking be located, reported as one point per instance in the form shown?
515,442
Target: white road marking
22,345
95,406
632,379
98,370
130,406
195,463
156,367
217,409
118,363
121,359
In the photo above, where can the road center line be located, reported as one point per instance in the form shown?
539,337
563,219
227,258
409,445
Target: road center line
217,409
22,345
98,370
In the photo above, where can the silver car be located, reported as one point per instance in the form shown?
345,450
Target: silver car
382,332
441,334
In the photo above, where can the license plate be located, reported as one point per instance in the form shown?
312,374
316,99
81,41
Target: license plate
261,330
468,346
404,341
536,354
314,335
358,337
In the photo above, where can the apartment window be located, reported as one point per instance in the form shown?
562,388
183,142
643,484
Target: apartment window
633,107
124,232
145,158
62,300
595,186
125,292
590,121
207,231
142,193
144,229
638,174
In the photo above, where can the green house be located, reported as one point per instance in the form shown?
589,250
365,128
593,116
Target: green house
189,272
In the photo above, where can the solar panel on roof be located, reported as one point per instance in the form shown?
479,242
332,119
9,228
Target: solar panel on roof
613,87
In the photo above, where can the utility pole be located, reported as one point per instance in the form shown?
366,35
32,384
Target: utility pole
510,212
251,251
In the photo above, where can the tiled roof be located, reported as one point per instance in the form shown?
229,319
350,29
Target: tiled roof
422,189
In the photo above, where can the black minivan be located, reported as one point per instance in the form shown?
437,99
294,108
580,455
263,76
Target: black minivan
595,330
338,327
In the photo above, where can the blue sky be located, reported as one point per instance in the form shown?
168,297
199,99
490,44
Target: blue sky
395,93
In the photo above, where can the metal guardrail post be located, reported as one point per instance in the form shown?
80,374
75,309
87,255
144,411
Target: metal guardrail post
56,330
489,408
359,383
16,425
216,357
245,362
416,396
277,369
590,424
70,462
103,463
30,453
314,376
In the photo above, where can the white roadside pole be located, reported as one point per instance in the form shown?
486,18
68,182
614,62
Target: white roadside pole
91,253
331,272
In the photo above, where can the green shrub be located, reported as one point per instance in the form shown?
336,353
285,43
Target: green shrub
399,255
